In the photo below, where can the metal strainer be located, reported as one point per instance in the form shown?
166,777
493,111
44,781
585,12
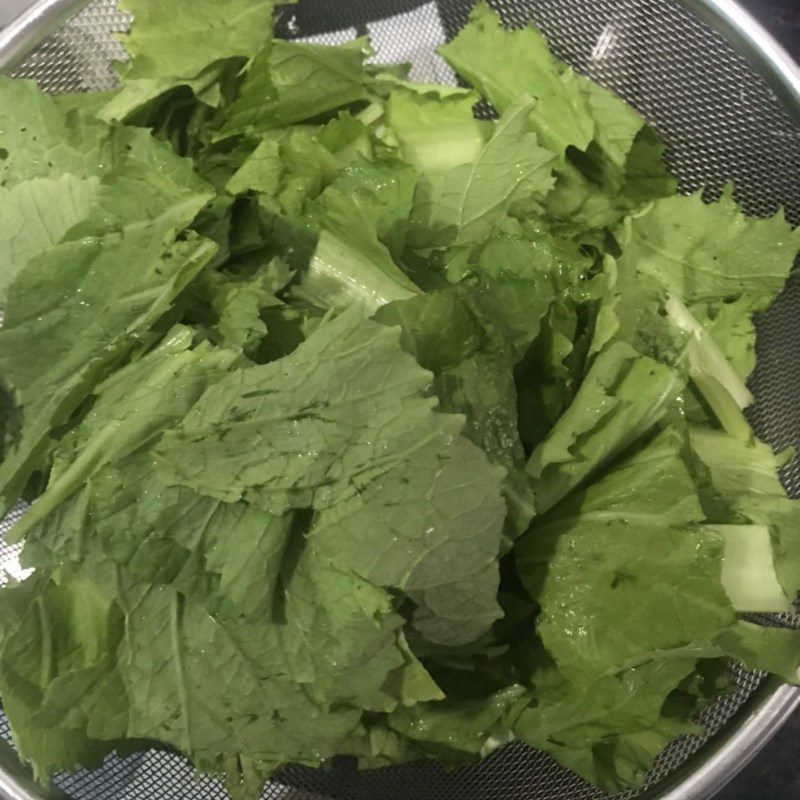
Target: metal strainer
727,101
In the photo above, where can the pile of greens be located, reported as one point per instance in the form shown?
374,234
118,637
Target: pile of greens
354,424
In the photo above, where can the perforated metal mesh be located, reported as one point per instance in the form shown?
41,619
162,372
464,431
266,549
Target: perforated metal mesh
721,123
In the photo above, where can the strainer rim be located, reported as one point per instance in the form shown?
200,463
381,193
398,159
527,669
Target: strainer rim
28,30
748,36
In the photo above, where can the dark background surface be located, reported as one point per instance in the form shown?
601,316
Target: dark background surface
782,18
775,773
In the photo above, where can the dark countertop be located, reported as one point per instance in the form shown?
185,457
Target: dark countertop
774,774
781,18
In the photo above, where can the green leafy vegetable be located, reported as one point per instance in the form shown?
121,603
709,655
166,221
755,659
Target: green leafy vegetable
186,45
748,569
134,404
622,396
435,126
701,251
289,82
54,345
353,424
461,205
561,117
347,396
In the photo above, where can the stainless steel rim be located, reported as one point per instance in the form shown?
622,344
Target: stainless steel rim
771,705
754,42
720,761
16,783
32,27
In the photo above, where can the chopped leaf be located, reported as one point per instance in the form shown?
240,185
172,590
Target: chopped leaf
461,205
54,346
745,476
628,707
621,398
348,395
35,215
435,133
748,570
480,54
775,650
701,251
133,406
712,373
288,82
182,44
624,553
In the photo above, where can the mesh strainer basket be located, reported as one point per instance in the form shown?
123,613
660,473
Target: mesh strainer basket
727,102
